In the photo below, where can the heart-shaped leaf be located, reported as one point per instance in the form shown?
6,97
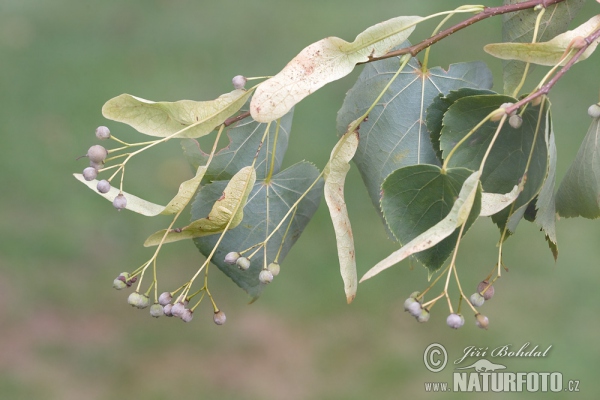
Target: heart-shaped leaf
508,157
266,206
424,206
579,191
323,62
395,134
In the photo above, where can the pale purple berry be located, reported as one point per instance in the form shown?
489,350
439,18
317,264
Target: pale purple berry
167,310
164,298
187,315
239,81
156,310
455,321
97,153
274,268
265,276
178,309
90,173
477,300
594,111
219,317
232,257
506,105
515,121
102,132
97,166
103,186
408,302
243,263
415,309
423,316
489,292
482,321
120,202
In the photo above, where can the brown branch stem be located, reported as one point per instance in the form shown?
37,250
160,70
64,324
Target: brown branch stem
545,89
233,120
486,13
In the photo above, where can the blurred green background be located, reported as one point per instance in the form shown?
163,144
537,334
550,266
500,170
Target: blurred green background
66,334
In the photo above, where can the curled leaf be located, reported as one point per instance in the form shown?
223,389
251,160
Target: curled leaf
335,176
550,52
184,195
229,207
163,118
323,62
491,203
458,215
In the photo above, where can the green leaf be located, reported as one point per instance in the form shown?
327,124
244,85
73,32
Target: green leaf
335,176
227,211
244,140
425,207
163,118
437,109
546,200
144,207
518,27
579,191
266,207
550,52
323,62
395,134
507,160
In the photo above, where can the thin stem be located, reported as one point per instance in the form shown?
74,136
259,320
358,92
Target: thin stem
284,235
464,139
545,89
535,33
486,13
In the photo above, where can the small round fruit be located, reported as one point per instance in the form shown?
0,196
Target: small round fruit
178,309
231,257
167,310
477,300
97,153
498,114
424,316
265,276
482,321
90,173
506,105
97,166
455,321
187,315
515,121
103,186
143,302
415,309
119,284
489,292
120,202
219,317
594,111
156,310
239,81
243,263
134,299
164,298
102,133
274,268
